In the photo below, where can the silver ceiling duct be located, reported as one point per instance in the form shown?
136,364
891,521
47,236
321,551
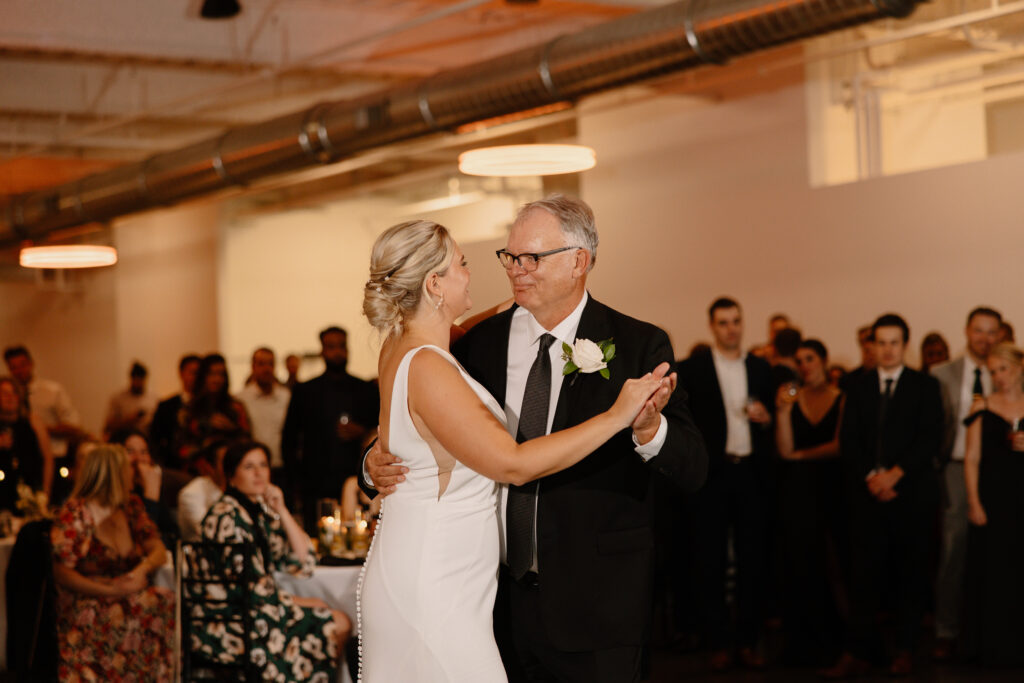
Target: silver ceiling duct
670,38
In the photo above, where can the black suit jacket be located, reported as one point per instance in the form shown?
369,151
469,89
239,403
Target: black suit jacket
698,377
911,433
595,539
164,431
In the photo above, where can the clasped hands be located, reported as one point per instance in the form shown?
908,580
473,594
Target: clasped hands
386,470
882,483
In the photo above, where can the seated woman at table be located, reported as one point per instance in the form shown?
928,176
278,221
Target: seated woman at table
112,624
24,447
292,636
148,483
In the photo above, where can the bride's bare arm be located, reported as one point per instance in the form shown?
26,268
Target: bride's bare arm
457,418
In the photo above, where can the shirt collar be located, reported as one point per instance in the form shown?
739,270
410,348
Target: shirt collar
894,375
720,358
563,331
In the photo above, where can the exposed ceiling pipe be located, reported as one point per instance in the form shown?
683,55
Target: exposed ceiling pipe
670,38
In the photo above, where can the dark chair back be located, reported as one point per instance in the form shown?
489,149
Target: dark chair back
32,605
216,588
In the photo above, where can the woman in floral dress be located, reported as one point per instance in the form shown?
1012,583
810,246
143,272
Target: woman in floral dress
112,625
294,638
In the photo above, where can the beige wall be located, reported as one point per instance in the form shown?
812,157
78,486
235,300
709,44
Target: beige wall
696,202
158,301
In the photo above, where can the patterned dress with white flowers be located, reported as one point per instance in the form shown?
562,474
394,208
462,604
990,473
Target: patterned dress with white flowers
116,640
290,643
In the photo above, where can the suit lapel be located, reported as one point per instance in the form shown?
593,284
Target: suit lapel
594,325
493,369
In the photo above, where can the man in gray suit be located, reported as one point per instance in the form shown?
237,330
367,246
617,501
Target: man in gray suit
961,380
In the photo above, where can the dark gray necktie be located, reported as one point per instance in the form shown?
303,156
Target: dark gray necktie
533,422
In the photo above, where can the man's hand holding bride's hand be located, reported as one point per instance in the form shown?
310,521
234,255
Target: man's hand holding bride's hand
385,470
638,396
646,424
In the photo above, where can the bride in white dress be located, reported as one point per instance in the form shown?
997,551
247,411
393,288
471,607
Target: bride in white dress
428,588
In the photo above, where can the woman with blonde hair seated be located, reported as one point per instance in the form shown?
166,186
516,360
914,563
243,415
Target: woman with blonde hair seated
112,624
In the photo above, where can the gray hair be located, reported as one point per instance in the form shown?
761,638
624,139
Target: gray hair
575,218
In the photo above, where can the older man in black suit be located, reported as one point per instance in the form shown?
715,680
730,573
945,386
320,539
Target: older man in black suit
575,596
730,392
889,443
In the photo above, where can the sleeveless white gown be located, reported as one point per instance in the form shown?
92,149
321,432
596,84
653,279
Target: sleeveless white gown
428,585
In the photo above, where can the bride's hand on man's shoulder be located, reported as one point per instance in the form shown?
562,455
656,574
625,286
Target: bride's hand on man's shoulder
385,470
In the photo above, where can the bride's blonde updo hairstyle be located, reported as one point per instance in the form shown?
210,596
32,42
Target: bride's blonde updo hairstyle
403,257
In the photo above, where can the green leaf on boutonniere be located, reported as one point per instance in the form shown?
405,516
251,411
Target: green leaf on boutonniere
604,373
609,349
569,368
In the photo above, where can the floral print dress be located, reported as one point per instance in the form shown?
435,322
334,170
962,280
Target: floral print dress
116,640
289,642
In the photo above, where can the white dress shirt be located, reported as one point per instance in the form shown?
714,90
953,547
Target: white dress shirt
893,374
51,403
966,399
194,501
267,413
732,381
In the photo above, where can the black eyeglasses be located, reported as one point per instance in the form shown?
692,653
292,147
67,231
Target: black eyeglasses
527,262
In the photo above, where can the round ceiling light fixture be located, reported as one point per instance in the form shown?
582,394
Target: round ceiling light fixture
527,160
68,256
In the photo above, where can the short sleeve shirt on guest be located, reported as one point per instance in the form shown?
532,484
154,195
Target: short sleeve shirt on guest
51,403
267,413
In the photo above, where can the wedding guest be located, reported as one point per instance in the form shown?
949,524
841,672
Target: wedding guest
776,324
149,483
291,365
213,414
48,401
112,623
810,515
196,497
784,365
327,418
293,638
993,470
961,381
353,499
934,351
166,432
133,407
889,440
836,373
1005,333
728,394
266,401
866,342
22,459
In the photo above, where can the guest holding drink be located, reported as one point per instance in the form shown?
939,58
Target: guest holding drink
294,639
810,490
112,623
993,471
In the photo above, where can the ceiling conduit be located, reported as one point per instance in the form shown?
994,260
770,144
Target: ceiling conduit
670,38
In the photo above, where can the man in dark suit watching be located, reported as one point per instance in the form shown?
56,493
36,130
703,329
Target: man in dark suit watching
166,425
575,595
889,442
729,393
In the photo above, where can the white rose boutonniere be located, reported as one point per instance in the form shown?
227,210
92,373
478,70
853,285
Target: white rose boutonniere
586,356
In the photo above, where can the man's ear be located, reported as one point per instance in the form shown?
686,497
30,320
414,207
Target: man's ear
582,263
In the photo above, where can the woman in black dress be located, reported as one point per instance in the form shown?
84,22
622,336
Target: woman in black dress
807,436
994,470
